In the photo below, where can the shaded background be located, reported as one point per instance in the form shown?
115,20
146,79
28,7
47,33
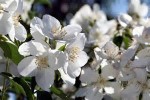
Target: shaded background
64,10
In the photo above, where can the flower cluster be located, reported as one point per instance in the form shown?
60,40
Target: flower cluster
110,60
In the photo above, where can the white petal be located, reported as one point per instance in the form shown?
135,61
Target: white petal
128,55
62,59
90,93
5,27
66,78
28,67
71,30
12,6
20,32
141,62
137,31
113,89
124,19
94,94
12,34
140,74
36,29
82,58
79,42
141,34
80,15
143,10
88,75
50,24
45,78
73,73
144,52
111,50
56,59
99,54
36,21
32,48
131,92
108,72
19,9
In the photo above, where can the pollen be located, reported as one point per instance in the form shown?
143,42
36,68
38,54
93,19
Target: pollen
2,9
73,54
16,20
56,30
42,62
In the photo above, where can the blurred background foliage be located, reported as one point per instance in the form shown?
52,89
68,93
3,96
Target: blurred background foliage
65,9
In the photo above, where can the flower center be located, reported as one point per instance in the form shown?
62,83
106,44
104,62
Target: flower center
16,20
42,62
56,30
2,9
101,82
73,54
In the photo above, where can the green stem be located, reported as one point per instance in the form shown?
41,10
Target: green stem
4,81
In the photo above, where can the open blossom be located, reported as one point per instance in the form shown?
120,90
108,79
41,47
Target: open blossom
9,21
88,18
77,58
100,83
108,51
134,89
135,7
42,63
50,27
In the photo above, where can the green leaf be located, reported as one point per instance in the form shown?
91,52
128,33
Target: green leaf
43,2
11,51
59,93
118,40
17,88
3,38
62,48
13,85
127,41
26,87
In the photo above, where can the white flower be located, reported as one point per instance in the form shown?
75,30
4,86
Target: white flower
85,19
100,82
101,32
143,59
127,55
51,27
135,7
10,24
134,89
77,57
41,64
108,51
